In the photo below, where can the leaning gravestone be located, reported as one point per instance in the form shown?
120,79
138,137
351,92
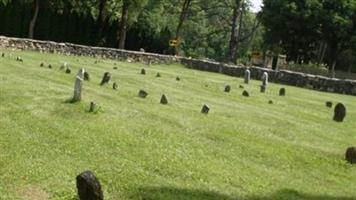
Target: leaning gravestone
86,76
106,78
329,104
227,88
89,187
205,109
143,71
350,155
262,88
114,86
245,93
78,86
265,78
247,76
282,92
339,112
142,94
164,100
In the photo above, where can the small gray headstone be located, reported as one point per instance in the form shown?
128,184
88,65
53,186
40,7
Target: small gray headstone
329,104
205,109
142,94
164,100
143,71
89,187
350,155
245,93
262,88
106,78
78,86
227,88
247,76
265,78
282,92
114,86
339,112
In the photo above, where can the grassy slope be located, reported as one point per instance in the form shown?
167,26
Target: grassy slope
139,149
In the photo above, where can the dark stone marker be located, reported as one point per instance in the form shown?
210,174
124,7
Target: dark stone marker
177,78
227,88
42,65
3,55
86,76
164,100
329,104
262,88
115,67
89,187
241,87
282,92
142,94
205,109
350,155
106,78
339,112
92,106
270,102
114,86
143,71
50,66
68,71
158,75
245,93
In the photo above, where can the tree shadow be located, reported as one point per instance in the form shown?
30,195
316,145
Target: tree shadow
166,193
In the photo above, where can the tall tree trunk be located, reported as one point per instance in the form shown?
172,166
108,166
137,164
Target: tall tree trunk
34,19
182,18
235,31
123,25
100,20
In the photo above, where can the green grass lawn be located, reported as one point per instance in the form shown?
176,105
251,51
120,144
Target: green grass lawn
244,148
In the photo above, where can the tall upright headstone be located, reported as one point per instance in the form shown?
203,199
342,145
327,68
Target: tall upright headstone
339,112
78,86
247,76
265,78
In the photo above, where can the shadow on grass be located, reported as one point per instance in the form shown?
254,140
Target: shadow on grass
185,194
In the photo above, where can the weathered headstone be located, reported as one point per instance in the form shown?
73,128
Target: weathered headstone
158,75
350,155
89,187
41,65
227,88
92,107
263,88
86,76
282,92
78,86
241,87
142,50
270,102
143,71
115,68
329,104
164,100
245,93
247,76
50,66
339,112
142,94
265,78
114,86
106,78
68,71
3,55
205,109
177,78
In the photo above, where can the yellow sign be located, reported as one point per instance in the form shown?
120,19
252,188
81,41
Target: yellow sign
173,42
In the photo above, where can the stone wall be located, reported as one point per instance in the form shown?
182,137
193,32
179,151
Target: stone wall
282,76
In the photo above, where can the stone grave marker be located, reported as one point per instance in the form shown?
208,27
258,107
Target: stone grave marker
41,65
247,76
89,187
245,93
164,100
92,107
350,155
227,88
143,71
265,78
282,92
177,78
158,75
262,88
3,55
241,87
86,76
78,86
270,102
68,71
142,94
339,112
50,66
205,109
106,78
114,86
329,104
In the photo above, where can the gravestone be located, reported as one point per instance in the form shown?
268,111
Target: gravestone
329,104
143,71
114,86
115,67
270,102
205,109
92,106
177,78
241,87
339,112
158,75
227,88
68,71
265,78
106,78
41,65
3,55
89,187
350,155
247,76
282,92
164,100
86,76
50,66
262,88
245,93
142,94
78,86
64,66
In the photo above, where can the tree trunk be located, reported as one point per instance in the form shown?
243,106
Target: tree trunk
235,32
182,18
123,25
34,19
100,20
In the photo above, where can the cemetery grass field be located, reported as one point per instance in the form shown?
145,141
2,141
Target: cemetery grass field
245,148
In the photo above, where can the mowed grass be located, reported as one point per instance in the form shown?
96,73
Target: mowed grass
244,148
